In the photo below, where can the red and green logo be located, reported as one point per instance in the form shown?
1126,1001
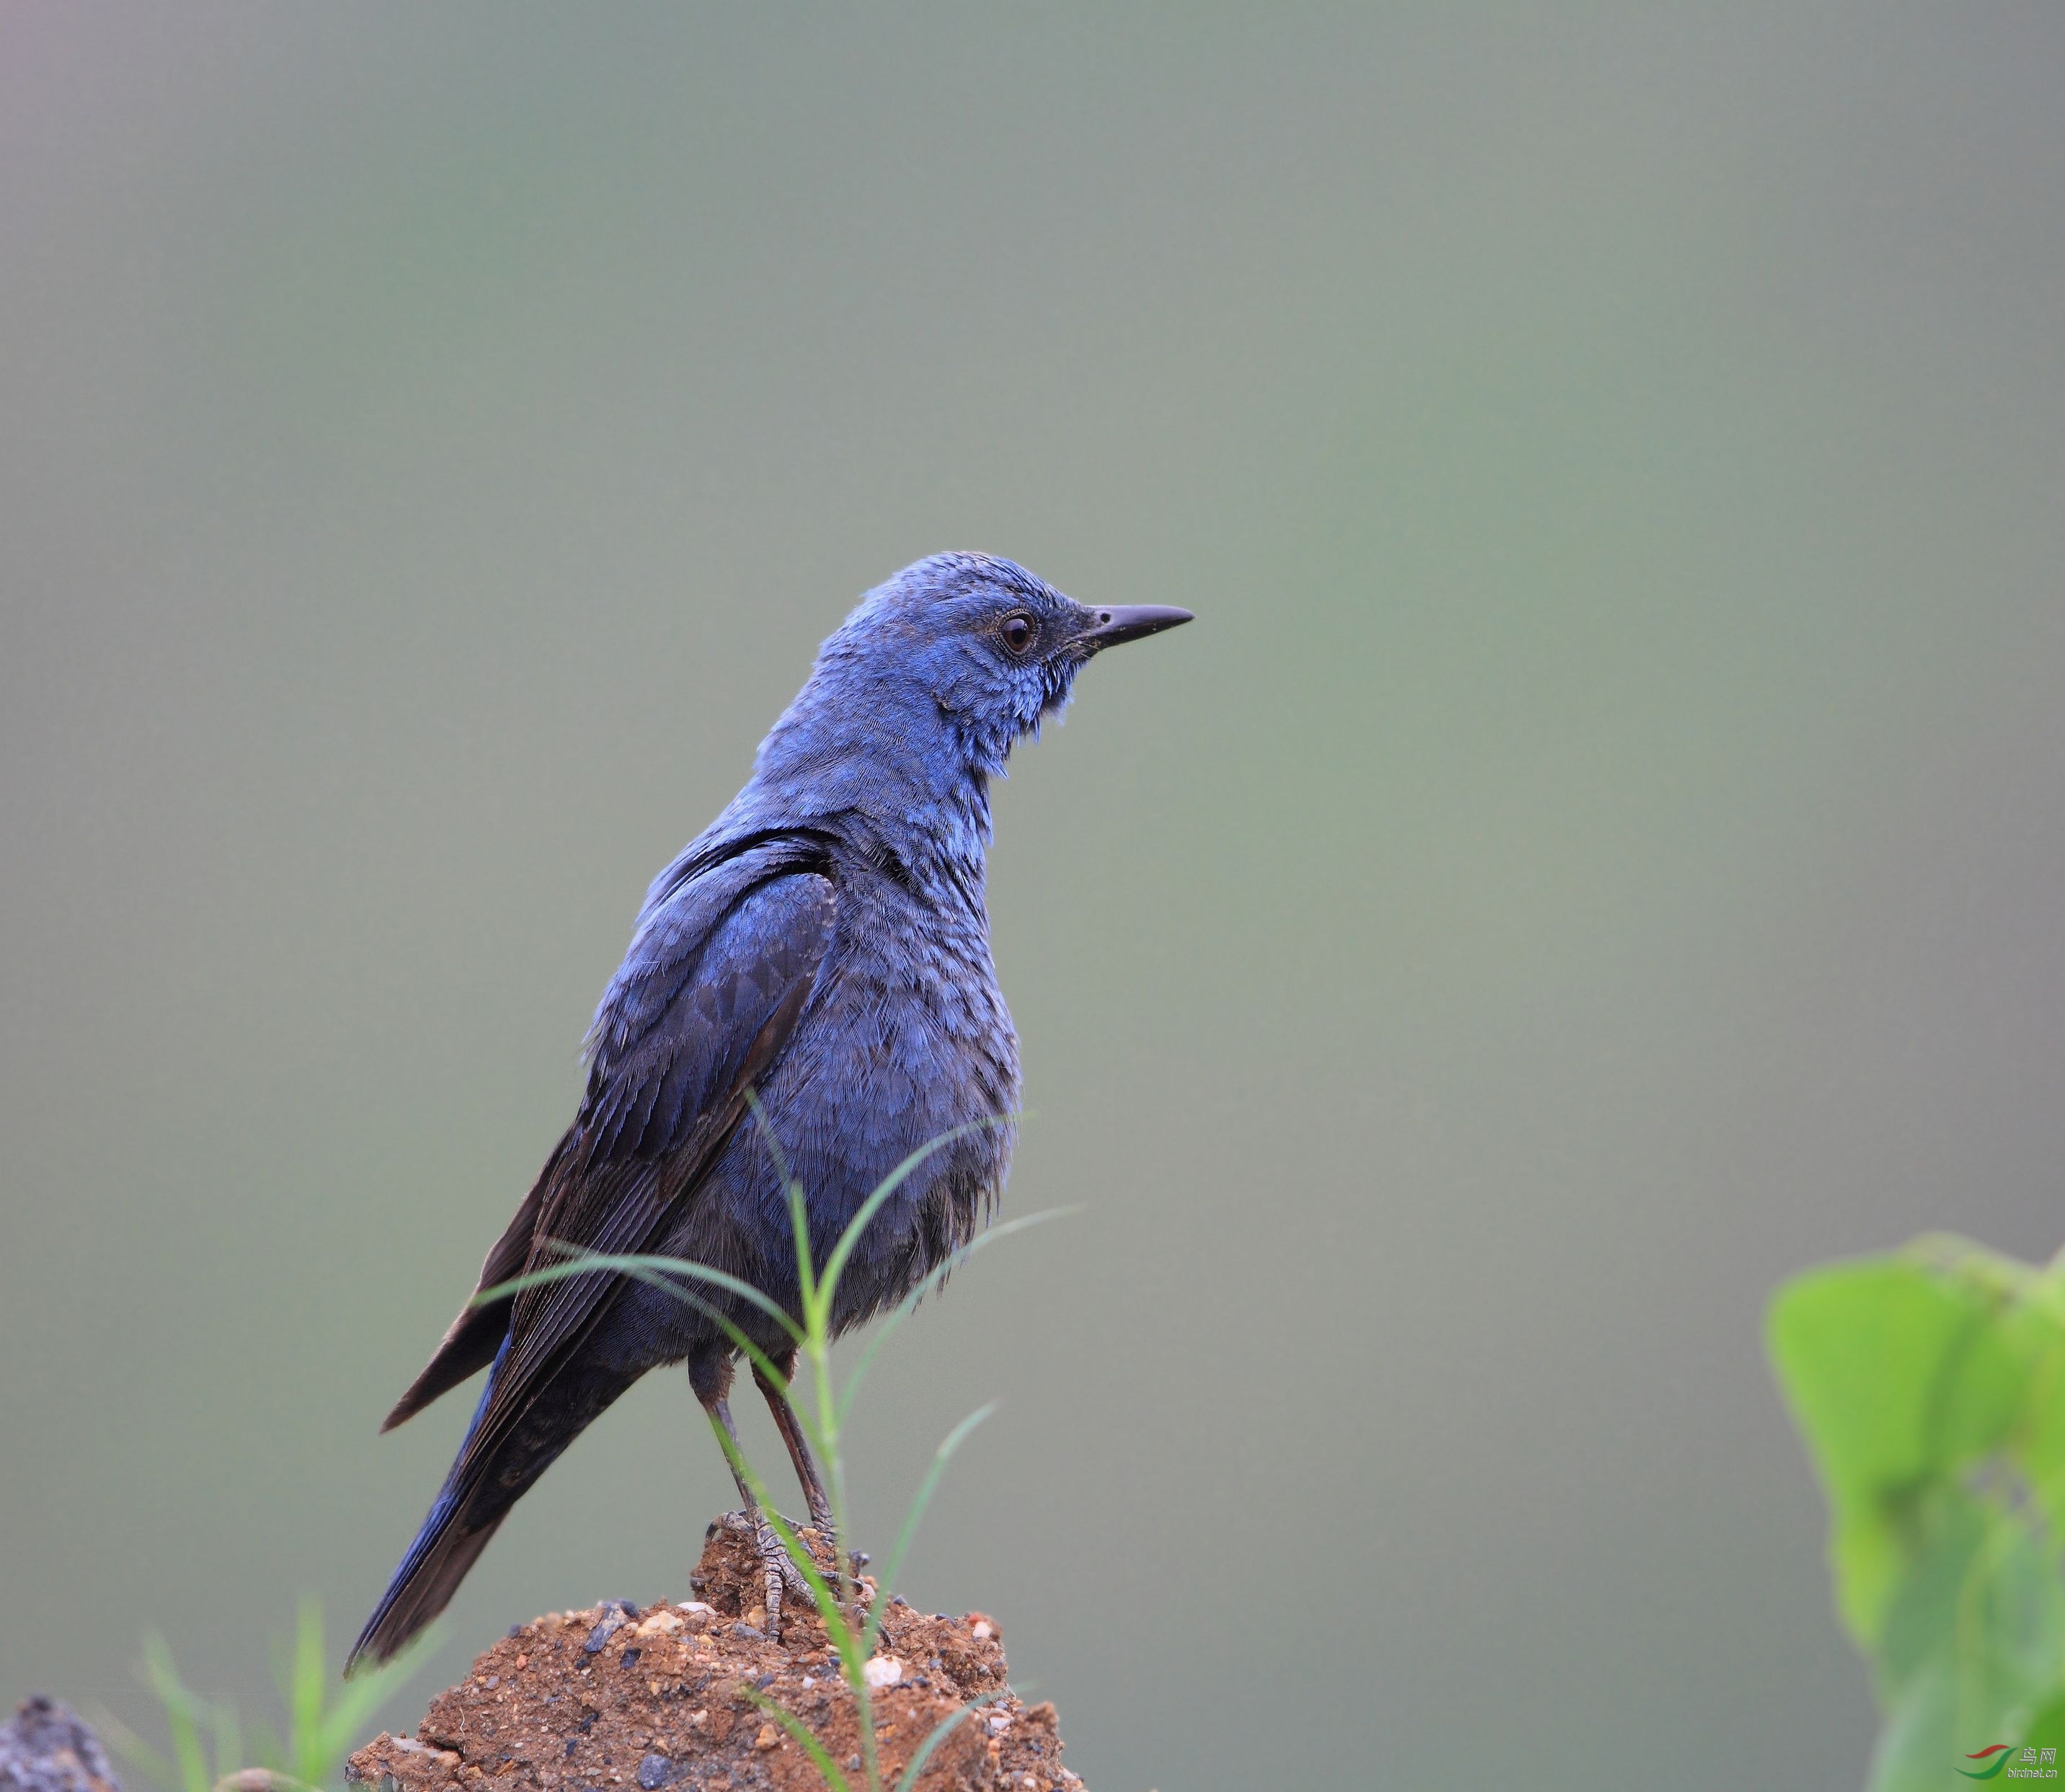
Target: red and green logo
1995,1758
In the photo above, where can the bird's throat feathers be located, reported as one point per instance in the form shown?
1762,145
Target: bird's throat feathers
914,703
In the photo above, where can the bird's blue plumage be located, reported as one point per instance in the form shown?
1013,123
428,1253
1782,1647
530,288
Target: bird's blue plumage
825,944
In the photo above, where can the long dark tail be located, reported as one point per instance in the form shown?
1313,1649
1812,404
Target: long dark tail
476,1497
430,1574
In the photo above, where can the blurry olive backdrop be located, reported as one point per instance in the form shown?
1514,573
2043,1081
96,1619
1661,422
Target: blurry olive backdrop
1601,846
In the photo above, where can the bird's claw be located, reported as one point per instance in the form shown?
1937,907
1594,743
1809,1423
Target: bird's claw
781,1576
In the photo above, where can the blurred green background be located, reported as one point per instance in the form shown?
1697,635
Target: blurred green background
1599,849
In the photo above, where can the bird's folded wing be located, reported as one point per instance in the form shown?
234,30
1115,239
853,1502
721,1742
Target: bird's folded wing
720,967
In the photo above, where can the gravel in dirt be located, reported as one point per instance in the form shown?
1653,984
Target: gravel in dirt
619,1696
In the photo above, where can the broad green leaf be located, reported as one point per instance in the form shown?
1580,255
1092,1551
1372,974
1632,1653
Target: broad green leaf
1930,1387
1895,1378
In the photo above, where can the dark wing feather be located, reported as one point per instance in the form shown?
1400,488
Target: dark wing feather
471,1342
720,969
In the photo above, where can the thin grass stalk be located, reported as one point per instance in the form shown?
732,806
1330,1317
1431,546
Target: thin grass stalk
132,1748
930,1281
835,1263
650,1269
846,1638
181,1712
916,1511
229,1742
307,1686
940,1732
821,1757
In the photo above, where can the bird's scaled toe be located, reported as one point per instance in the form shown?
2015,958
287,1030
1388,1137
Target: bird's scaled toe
784,1580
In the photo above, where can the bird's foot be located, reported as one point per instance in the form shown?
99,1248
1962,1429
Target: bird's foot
781,1577
826,1552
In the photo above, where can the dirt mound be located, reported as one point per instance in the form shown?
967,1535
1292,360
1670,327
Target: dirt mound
615,1697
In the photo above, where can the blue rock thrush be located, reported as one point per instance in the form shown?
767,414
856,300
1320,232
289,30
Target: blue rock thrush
825,944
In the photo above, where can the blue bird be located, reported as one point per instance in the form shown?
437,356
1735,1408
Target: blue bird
824,945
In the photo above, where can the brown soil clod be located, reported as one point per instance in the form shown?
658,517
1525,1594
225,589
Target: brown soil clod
659,1699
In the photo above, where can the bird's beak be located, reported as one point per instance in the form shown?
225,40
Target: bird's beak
1129,622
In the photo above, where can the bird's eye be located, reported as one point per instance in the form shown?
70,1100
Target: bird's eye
1017,633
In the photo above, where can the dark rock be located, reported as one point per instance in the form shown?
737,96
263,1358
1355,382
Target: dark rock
48,1748
616,1614
654,1771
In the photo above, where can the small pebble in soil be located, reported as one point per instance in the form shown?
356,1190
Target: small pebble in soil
616,1614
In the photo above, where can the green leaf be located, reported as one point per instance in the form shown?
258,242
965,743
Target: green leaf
1927,1385
1895,1379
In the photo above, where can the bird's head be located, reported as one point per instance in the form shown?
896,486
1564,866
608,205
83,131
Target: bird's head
988,649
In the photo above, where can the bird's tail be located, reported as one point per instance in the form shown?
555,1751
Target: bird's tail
430,1574
449,1543
476,1497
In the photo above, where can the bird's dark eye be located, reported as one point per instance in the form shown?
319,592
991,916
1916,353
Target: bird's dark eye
1017,633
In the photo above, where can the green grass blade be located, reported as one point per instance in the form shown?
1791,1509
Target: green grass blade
938,1273
132,1748
182,1710
820,1756
835,1263
229,1742
799,1226
923,1498
308,1685
804,1279
347,1719
760,1361
657,1272
766,1127
821,1594
364,1694
940,1732
266,1747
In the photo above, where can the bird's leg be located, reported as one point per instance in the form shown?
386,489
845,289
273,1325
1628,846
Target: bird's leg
819,1502
786,1422
710,1374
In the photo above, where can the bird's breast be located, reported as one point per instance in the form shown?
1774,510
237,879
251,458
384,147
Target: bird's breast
907,1049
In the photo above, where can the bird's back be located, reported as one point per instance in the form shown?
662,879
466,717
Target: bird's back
904,1047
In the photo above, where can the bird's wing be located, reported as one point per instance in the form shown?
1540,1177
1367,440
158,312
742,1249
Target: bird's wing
471,1342
723,964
